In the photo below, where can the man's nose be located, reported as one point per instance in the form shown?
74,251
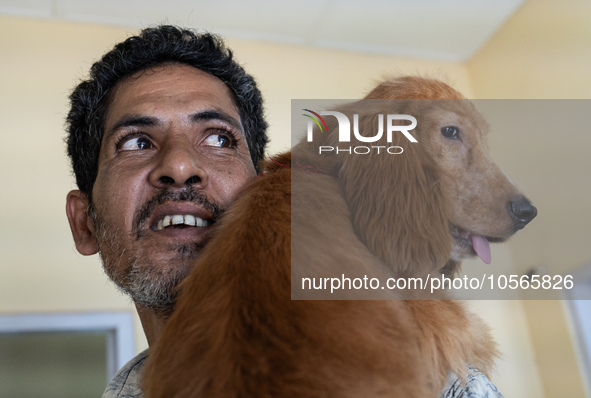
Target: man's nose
178,166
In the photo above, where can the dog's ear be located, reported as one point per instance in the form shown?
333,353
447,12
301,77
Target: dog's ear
399,204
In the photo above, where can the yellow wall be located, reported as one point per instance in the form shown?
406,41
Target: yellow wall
286,72
544,52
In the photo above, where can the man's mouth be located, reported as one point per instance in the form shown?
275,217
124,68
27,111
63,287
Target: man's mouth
180,220
174,210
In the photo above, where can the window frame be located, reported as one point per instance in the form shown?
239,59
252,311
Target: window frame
118,326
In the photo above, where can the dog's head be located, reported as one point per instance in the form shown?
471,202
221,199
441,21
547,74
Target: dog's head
486,205
442,199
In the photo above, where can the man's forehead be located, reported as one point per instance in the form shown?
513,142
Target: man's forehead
164,79
166,89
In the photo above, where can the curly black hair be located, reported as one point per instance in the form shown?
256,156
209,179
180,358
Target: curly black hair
154,46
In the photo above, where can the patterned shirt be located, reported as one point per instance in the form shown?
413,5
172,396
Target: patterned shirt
126,383
477,386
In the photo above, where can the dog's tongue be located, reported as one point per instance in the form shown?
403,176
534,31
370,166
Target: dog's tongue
481,247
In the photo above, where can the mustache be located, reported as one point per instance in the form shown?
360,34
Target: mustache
187,194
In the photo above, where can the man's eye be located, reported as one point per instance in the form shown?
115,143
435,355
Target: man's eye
219,140
135,144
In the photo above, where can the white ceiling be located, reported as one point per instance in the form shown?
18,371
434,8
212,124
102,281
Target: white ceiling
438,29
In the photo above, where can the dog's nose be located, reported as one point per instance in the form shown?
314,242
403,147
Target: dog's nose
522,211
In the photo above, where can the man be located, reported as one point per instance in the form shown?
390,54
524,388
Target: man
162,136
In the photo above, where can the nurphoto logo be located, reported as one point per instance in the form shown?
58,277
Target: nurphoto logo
344,129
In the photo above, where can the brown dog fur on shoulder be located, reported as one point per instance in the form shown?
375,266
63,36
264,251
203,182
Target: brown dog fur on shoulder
236,332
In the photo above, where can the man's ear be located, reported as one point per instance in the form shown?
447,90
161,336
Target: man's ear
80,223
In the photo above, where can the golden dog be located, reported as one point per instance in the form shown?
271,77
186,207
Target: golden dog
236,332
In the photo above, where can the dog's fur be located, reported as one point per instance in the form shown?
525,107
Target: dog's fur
236,332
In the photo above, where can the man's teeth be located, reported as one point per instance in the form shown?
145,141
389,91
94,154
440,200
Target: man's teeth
179,219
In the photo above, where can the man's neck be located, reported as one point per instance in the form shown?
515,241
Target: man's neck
152,322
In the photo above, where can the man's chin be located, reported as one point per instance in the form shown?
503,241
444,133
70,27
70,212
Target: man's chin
153,285
189,251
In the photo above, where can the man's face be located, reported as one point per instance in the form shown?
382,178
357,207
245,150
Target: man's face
173,157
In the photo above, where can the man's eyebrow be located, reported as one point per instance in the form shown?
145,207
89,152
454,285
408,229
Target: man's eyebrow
198,117
132,121
212,114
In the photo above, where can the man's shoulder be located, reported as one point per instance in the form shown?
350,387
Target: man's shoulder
477,386
127,381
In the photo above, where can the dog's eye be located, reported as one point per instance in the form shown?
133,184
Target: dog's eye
450,132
